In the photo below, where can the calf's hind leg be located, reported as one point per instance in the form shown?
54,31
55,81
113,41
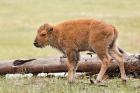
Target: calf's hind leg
105,62
114,52
73,58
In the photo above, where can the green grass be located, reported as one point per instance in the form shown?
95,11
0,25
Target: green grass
19,20
59,85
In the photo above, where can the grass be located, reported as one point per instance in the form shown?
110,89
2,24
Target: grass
19,20
59,85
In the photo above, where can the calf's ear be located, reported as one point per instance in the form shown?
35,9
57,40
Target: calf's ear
50,29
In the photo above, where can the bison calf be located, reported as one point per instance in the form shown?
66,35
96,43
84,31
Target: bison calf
74,36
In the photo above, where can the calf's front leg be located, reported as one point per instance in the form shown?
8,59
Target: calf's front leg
73,58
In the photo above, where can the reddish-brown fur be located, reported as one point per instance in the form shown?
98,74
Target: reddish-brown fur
74,36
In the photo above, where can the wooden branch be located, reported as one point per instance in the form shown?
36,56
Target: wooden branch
56,64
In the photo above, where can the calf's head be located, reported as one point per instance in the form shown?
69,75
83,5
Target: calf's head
42,37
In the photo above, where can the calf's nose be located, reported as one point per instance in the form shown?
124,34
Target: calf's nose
35,43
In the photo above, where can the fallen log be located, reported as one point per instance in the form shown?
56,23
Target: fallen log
56,64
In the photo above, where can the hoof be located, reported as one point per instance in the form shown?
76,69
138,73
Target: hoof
72,81
124,81
98,83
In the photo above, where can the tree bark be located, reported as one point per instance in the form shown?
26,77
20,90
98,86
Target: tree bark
55,64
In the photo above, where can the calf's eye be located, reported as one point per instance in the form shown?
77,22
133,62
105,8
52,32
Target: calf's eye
43,34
